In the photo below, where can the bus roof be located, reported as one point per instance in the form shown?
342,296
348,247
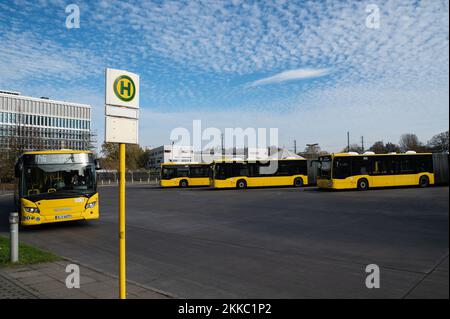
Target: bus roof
63,151
387,154
183,164
259,160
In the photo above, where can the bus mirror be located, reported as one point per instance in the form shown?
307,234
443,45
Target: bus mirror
97,164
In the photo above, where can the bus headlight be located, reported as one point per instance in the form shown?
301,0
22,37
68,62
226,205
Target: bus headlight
31,209
90,205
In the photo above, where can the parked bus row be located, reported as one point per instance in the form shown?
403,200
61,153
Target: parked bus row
335,171
54,186
236,174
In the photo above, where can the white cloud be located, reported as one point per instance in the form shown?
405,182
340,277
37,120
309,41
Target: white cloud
194,56
298,74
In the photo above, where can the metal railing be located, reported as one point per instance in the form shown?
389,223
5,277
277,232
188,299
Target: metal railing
131,177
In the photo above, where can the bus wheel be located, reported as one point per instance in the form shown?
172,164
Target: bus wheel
241,184
424,181
183,183
298,182
363,184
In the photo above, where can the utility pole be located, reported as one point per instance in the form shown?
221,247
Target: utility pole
348,141
222,146
295,146
362,143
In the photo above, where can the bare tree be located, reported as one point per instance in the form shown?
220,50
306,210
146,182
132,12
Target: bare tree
410,142
439,143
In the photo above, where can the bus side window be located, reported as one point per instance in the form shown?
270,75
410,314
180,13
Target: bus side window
253,169
385,165
424,163
407,165
182,172
297,167
378,166
261,168
360,166
198,171
241,170
283,168
342,167
168,173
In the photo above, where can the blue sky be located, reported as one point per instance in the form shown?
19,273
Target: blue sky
310,68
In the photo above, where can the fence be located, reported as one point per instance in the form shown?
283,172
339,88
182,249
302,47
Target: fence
132,177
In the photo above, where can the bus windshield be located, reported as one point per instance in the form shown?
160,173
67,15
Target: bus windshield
52,176
324,167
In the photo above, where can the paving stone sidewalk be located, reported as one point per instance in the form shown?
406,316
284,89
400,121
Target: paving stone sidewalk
48,281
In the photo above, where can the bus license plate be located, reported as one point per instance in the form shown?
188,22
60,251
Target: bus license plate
63,216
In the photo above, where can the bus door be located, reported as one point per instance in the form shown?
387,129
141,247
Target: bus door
406,171
199,175
257,173
382,172
283,175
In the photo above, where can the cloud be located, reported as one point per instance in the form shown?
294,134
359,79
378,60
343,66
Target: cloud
196,56
298,74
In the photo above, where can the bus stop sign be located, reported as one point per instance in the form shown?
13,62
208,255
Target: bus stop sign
121,106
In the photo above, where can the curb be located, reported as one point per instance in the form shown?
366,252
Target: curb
165,293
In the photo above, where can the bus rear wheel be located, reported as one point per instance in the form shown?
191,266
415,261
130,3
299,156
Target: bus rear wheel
298,182
241,184
184,183
424,181
363,184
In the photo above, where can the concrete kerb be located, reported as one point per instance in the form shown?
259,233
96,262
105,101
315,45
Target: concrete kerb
165,293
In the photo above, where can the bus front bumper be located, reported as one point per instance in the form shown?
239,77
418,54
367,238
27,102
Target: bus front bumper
59,210
28,219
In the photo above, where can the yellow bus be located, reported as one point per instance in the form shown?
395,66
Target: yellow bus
56,186
364,171
243,174
184,174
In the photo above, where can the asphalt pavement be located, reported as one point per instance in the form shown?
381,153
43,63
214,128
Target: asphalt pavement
265,243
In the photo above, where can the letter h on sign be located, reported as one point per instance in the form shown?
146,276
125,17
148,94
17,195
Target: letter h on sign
124,87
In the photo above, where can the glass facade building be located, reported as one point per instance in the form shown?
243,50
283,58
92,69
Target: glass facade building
28,123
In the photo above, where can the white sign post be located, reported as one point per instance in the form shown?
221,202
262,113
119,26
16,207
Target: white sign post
121,107
121,126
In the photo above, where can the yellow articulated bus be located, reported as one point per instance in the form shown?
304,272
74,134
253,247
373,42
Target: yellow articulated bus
184,174
364,171
243,174
56,186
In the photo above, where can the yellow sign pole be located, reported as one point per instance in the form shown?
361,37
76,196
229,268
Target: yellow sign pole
122,273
